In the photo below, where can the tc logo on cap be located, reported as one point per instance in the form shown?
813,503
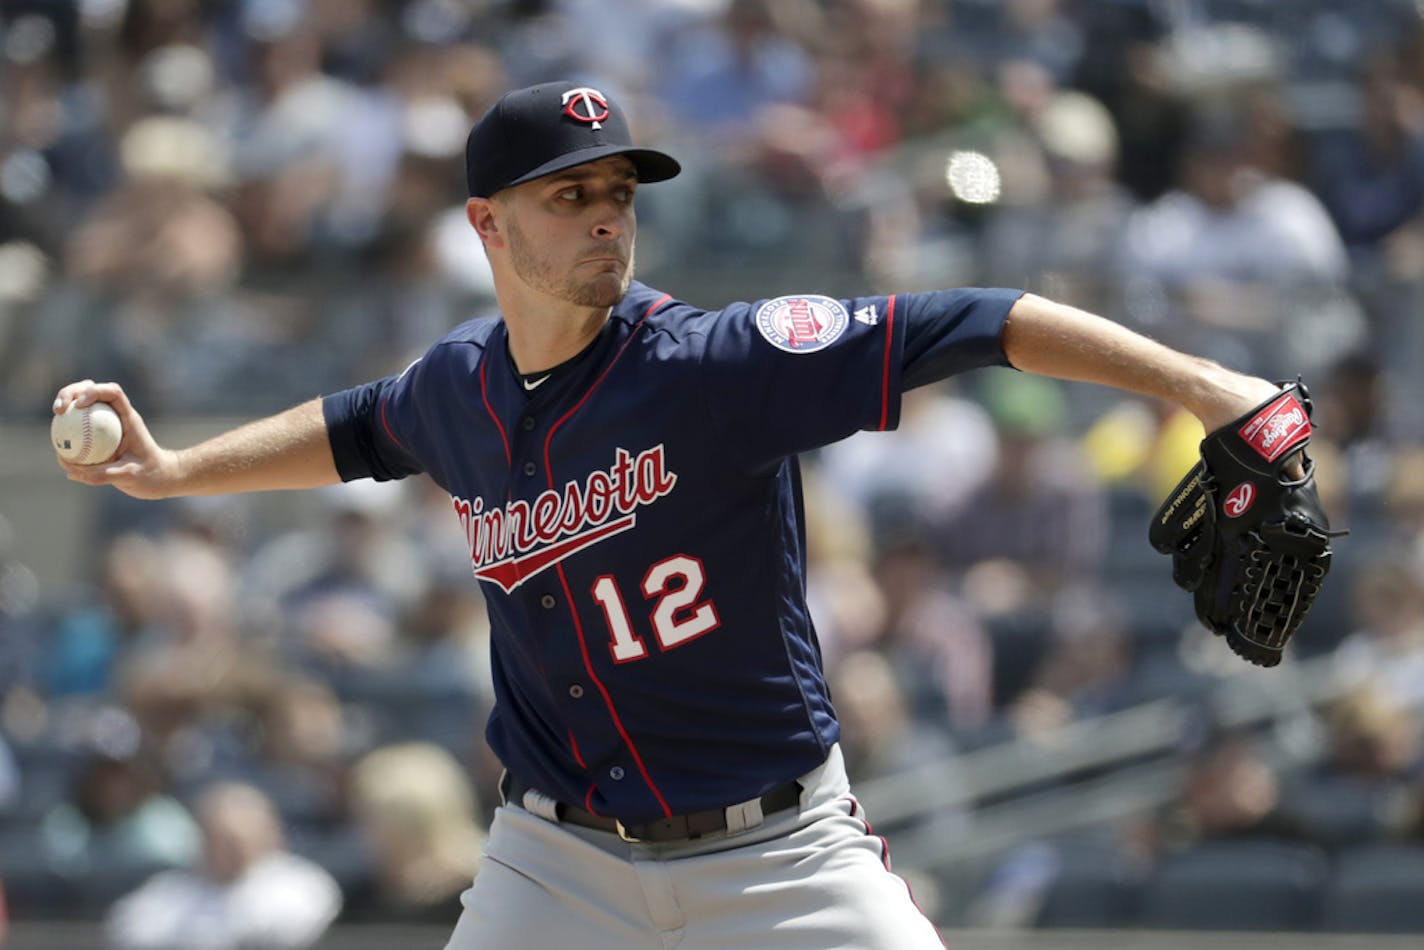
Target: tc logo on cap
586,105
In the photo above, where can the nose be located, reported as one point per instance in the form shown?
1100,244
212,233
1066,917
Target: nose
610,220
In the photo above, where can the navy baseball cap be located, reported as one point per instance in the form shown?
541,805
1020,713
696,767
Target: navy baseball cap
538,130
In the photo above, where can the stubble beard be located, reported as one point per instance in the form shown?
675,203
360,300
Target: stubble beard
544,275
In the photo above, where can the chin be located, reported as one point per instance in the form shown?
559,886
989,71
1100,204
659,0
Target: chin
603,291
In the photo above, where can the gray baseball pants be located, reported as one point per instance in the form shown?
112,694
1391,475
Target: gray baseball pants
817,880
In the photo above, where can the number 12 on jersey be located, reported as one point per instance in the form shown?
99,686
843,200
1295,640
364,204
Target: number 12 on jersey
677,615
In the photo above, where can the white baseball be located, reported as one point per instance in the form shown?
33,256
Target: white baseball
87,436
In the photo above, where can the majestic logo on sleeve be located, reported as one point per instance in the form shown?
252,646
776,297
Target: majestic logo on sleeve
586,105
509,545
802,324
1277,428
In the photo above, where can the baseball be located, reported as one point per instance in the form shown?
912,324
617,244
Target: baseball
87,436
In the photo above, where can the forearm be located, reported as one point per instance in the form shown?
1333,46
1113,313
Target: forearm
1054,339
288,450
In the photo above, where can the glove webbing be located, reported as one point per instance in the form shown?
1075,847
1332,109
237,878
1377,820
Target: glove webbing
1278,590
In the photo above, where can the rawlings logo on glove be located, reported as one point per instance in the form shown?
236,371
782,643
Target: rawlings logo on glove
1251,544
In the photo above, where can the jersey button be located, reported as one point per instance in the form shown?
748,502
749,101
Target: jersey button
616,773
530,468
576,691
528,423
547,601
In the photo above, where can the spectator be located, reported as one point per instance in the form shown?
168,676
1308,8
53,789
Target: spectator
1142,449
149,266
1065,239
350,560
247,892
880,736
945,450
941,654
1083,671
1354,413
89,641
1386,646
1369,787
720,77
1123,66
416,809
844,598
1243,252
308,148
196,670
1371,175
444,641
1404,500
1042,32
1042,512
117,825
298,758
1230,791
1227,220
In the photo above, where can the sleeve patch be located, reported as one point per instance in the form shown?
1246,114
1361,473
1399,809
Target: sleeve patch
802,324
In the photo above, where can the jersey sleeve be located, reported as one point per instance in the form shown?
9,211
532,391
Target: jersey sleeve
364,425
795,373
950,331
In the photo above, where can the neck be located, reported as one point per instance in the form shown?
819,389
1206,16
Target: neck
544,332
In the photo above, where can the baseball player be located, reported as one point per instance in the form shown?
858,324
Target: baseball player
624,467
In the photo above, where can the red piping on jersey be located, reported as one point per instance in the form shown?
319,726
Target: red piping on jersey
578,757
484,394
607,699
549,439
386,425
889,351
568,595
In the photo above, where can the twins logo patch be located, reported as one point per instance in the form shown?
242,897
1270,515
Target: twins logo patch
802,324
1239,501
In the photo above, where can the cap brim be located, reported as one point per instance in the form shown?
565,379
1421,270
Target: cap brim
650,164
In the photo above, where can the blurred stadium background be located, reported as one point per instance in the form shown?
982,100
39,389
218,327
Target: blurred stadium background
229,206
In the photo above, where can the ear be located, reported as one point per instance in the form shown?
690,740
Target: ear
483,215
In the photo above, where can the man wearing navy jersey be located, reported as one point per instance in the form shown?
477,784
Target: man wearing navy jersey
624,468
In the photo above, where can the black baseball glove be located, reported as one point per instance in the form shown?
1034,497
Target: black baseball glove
1251,544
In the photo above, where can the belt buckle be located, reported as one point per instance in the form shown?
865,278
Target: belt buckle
624,833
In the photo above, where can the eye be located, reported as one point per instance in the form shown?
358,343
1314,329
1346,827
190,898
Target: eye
574,193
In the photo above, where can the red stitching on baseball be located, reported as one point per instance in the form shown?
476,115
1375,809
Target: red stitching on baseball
88,442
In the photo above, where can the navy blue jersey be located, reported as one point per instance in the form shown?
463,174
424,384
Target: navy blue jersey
636,524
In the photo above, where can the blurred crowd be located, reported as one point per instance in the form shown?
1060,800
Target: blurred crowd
266,713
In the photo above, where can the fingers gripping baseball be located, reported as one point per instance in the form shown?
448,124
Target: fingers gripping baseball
139,467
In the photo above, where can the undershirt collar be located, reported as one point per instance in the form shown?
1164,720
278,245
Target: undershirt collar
533,382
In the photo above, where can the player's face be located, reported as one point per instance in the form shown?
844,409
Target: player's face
571,233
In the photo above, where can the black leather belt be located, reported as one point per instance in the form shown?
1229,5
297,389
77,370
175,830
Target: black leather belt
677,828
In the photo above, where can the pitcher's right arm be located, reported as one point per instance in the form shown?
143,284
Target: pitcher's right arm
287,450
